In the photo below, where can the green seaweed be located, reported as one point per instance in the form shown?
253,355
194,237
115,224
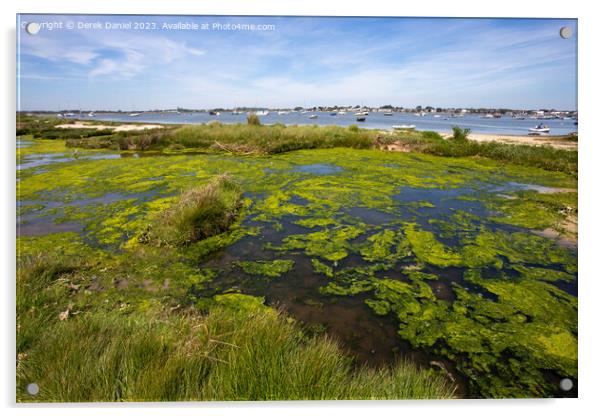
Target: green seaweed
332,244
428,250
322,268
275,268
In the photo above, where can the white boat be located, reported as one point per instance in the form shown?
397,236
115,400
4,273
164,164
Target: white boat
134,114
342,113
262,113
388,113
282,113
313,116
436,116
361,113
421,114
404,127
91,114
539,129
236,112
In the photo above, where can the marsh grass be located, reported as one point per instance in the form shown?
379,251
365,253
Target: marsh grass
253,120
544,157
460,134
252,139
166,354
199,213
272,139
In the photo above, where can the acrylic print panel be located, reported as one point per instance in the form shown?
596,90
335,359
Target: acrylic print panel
292,208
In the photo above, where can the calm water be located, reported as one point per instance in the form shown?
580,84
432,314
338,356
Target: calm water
478,124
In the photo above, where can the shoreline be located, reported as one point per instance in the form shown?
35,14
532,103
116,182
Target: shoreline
558,142
555,141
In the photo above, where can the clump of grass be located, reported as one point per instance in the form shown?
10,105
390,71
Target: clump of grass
199,213
142,140
253,120
460,134
165,354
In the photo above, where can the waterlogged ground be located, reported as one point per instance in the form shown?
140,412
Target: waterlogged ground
460,264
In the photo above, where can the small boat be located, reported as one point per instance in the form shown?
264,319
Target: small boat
342,113
69,114
59,115
313,116
333,113
421,114
91,114
214,113
539,129
436,116
360,118
262,113
361,113
236,112
134,114
388,113
404,127
282,113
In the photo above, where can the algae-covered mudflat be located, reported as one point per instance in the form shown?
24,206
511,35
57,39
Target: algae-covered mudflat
397,274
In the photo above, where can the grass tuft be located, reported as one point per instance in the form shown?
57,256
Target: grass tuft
199,213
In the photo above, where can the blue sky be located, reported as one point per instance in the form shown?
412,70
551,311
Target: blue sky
304,61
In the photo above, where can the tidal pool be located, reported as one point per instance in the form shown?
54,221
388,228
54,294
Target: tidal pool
397,255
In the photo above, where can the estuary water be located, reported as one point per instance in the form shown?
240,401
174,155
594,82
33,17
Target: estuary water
505,125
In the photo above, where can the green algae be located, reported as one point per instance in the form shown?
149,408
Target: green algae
502,343
331,244
379,246
521,247
316,222
428,250
275,268
531,209
322,268
540,273
242,303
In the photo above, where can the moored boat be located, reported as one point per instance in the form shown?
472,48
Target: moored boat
403,127
539,129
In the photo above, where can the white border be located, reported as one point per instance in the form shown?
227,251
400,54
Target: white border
590,370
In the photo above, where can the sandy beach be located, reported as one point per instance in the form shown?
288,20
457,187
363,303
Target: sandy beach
558,142
120,127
